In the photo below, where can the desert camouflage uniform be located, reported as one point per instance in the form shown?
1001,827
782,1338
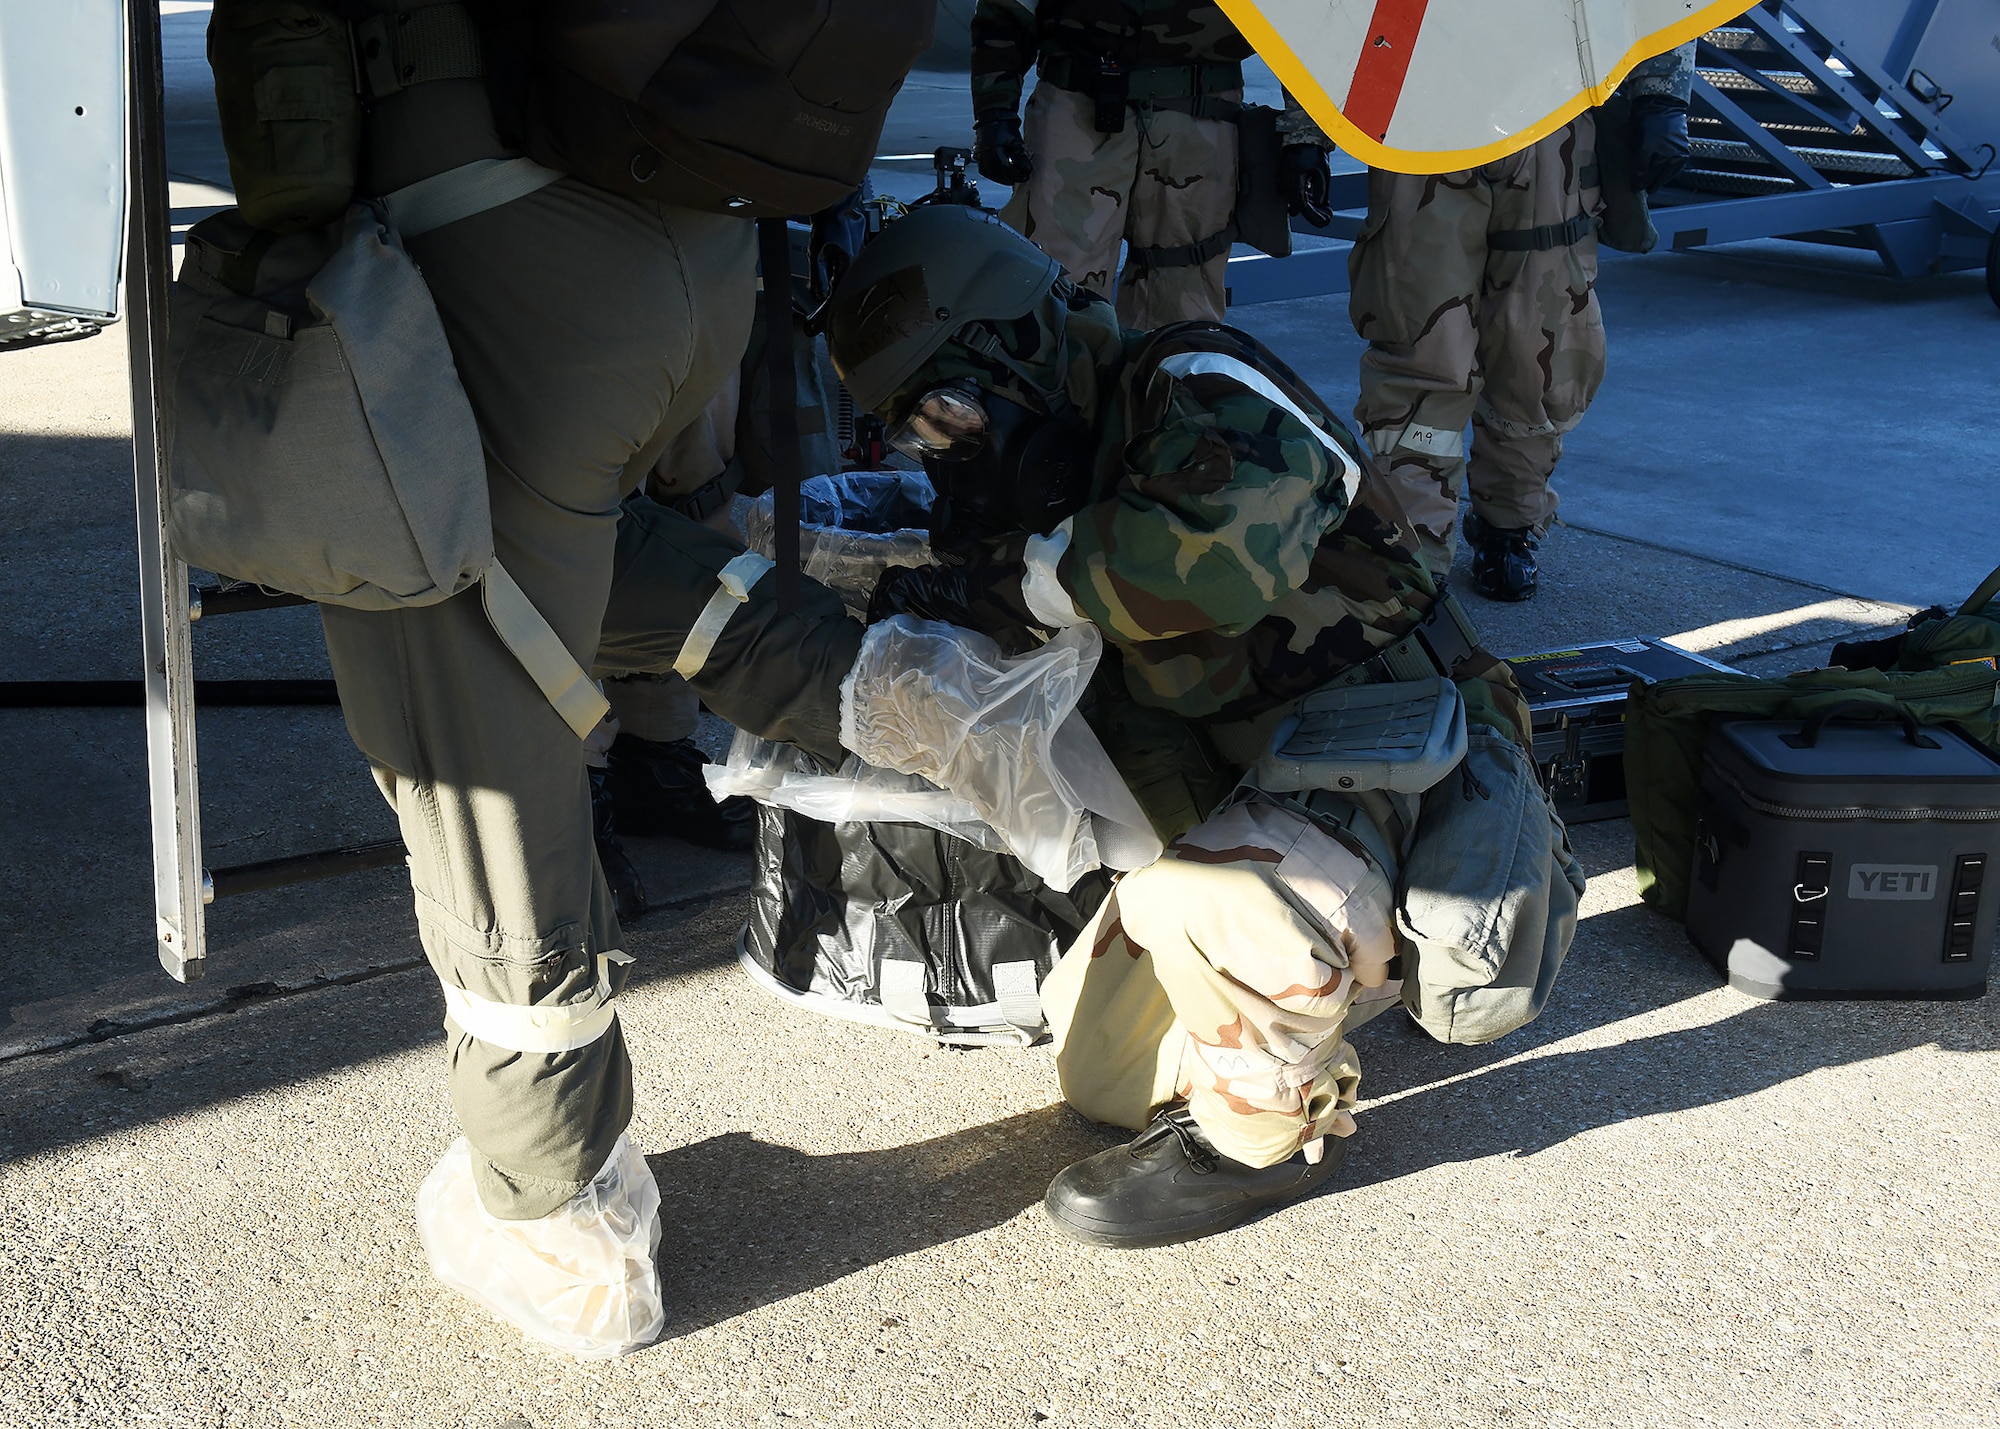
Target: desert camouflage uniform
1166,182
1477,294
1231,571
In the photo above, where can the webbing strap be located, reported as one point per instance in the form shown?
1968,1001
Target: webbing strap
1182,255
902,991
461,192
1157,85
528,634
538,1030
1020,1002
1540,240
733,584
1191,364
1988,588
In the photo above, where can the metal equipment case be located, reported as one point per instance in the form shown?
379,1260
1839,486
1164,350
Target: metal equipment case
1845,860
1577,698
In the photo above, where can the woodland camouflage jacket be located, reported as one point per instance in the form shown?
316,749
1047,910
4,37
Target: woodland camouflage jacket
1226,555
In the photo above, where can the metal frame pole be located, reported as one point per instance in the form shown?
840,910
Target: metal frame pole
163,579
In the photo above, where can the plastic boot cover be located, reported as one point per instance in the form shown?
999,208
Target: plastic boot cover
581,1278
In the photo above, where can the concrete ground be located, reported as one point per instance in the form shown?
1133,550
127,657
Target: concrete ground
1663,1203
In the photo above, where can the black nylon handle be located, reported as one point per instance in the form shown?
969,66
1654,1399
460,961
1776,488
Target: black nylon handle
1864,710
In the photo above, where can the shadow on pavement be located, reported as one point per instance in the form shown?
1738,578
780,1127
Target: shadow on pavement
749,1223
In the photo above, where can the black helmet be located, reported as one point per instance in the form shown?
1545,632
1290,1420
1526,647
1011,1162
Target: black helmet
925,278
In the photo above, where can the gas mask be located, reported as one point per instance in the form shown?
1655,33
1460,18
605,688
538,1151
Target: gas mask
997,466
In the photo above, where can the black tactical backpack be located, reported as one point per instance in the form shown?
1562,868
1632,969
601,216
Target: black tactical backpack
764,108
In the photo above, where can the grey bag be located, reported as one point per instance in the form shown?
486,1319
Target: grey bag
322,444
1488,897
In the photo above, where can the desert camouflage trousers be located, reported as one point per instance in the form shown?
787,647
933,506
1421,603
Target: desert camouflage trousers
1467,318
1227,974
1167,181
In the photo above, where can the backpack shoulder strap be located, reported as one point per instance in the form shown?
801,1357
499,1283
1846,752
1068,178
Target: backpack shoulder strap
1981,597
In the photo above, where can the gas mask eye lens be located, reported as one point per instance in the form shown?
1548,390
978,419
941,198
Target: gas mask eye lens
946,421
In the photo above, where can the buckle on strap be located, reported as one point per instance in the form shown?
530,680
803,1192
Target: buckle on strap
1543,238
1181,255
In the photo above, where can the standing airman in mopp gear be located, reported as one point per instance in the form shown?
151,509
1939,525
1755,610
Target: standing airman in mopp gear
1130,136
1186,494
1477,294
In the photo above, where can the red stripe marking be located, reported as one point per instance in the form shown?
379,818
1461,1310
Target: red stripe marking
1384,64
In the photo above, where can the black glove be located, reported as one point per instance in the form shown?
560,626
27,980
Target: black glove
1659,140
983,593
999,150
1303,178
837,235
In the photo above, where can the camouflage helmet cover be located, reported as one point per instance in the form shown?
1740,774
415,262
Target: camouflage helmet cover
927,277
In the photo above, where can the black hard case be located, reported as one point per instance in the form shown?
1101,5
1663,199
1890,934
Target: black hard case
1846,861
1577,700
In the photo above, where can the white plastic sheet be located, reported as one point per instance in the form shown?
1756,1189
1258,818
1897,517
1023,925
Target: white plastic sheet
581,1278
929,699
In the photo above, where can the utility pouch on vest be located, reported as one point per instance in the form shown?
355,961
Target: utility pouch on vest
1261,217
1110,90
1401,737
291,116
322,444
1627,221
1487,901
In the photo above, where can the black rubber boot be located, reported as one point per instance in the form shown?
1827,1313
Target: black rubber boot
658,789
1168,1185
1503,560
628,893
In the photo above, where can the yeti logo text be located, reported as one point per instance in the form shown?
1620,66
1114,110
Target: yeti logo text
825,126
1892,880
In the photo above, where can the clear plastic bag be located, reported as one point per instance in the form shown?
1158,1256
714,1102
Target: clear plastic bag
786,777
932,700
853,527
581,1278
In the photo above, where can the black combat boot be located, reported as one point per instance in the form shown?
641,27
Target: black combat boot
1168,1184
1503,559
628,893
658,789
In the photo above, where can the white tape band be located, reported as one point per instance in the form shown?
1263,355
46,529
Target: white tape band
525,632
1432,441
1190,364
539,1030
733,589
1041,590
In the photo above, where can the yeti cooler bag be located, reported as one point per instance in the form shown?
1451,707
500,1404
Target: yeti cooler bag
1846,858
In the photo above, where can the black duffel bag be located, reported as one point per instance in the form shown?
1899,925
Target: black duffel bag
901,925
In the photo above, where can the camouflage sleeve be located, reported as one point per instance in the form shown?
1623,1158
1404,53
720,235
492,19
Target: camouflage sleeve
1003,51
1295,126
1223,503
1667,76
